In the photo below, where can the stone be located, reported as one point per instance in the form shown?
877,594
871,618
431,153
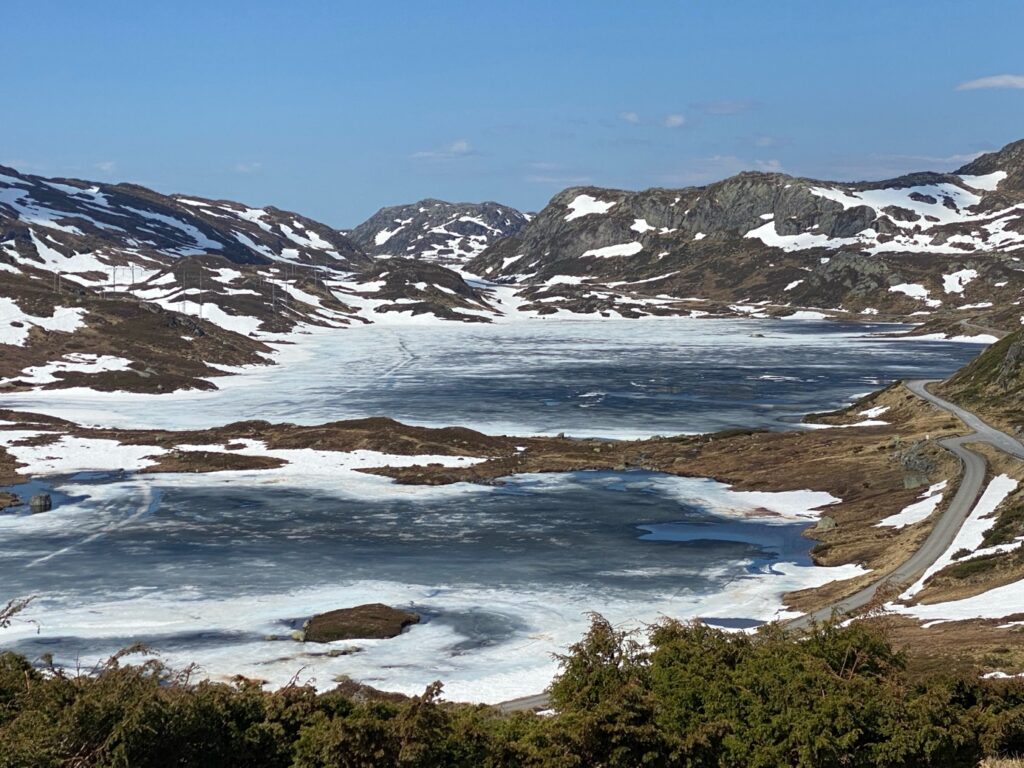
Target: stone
825,523
373,621
41,502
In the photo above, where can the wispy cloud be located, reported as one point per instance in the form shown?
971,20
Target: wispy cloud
765,141
247,167
559,181
725,107
630,117
458,148
768,166
674,121
956,159
994,81
107,166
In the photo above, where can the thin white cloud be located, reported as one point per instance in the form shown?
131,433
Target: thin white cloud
958,159
768,166
244,167
107,166
458,148
725,107
765,141
674,121
994,81
559,181
630,117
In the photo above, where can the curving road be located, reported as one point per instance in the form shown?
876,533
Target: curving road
938,541
950,522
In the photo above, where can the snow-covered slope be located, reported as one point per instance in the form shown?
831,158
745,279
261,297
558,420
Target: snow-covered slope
433,230
921,245
178,287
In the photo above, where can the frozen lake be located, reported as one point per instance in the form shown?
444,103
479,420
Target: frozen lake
203,568
610,378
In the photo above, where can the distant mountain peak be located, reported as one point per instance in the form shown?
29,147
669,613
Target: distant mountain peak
436,230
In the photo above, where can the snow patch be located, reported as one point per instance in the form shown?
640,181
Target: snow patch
971,533
988,183
918,511
955,282
609,251
585,205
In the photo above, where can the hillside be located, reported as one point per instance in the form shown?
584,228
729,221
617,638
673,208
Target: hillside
939,248
118,286
437,231
993,383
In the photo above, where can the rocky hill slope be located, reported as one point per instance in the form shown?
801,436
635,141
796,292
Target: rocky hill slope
433,230
993,383
929,246
118,286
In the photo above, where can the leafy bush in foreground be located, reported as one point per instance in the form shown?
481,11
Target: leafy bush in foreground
689,695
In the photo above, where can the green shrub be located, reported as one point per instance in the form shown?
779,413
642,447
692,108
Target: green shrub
683,695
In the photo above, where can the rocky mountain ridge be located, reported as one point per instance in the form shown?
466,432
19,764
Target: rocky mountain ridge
942,247
117,286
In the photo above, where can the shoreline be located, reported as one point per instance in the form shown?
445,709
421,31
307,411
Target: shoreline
729,457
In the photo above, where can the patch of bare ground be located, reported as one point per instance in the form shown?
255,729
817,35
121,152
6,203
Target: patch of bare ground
210,461
972,647
177,348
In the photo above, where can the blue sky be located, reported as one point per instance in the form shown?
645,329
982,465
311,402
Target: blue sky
334,109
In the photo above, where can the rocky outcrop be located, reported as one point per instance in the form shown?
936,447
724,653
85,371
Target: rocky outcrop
363,622
437,231
161,292
993,383
41,502
921,245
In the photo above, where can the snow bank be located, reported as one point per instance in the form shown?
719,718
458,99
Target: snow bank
75,362
15,323
782,507
973,530
76,454
918,511
988,183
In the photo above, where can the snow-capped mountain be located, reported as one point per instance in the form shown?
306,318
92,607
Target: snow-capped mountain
926,244
433,230
119,286
129,288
